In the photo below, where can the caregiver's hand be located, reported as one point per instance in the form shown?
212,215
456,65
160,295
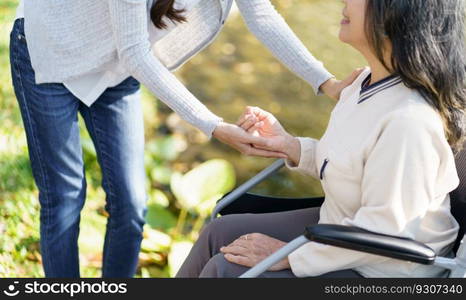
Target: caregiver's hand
333,87
242,141
263,124
251,249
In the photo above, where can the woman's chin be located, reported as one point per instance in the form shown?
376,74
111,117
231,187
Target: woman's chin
344,36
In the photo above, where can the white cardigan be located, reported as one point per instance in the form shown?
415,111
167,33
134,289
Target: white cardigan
385,166
71,39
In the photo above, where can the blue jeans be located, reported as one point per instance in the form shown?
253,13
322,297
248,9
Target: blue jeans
115,124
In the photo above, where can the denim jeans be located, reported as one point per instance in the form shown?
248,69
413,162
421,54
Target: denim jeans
115,124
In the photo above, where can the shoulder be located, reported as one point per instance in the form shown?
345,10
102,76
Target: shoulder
412,112
355,87
415,127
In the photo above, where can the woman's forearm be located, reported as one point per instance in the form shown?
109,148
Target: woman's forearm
306,162
129,22
293,151
174,94
272,30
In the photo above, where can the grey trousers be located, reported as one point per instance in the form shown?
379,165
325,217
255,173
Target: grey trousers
205,259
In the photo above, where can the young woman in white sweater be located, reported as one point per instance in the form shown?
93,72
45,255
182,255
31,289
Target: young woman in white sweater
385,162
89,57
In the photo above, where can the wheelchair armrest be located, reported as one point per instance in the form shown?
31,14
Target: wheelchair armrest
242,189
362,240
257,204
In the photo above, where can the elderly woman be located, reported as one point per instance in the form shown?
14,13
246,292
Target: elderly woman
385,162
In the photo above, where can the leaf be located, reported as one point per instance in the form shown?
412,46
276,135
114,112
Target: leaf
165,149
88,146
201,187
158,217
156,196
155,241
145,273
92,233
178,253
176,186
161,174
204,208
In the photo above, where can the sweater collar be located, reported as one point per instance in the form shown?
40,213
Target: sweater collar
369,90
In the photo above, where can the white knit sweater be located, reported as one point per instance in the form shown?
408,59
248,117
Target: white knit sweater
385,166
71,38
88,87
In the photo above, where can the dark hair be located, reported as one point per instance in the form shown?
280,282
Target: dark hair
164,8
428,53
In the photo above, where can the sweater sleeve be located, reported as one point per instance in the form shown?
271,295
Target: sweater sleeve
271,29
405,175
129,20
307,162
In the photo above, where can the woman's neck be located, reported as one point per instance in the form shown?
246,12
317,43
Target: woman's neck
378,70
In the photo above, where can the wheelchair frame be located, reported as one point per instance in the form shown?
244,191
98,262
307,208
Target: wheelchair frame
388,246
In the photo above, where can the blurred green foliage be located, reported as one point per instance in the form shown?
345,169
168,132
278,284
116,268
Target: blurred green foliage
185,173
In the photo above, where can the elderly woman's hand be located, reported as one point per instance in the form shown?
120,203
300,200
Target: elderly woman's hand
251,249
263,124
242,141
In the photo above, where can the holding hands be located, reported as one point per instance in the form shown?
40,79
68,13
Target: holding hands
243,141
260,123
258,133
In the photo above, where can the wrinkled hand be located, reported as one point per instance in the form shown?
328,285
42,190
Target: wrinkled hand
251,249
242,141
263,124
333,87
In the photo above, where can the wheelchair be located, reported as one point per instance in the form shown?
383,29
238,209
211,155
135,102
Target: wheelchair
353,238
